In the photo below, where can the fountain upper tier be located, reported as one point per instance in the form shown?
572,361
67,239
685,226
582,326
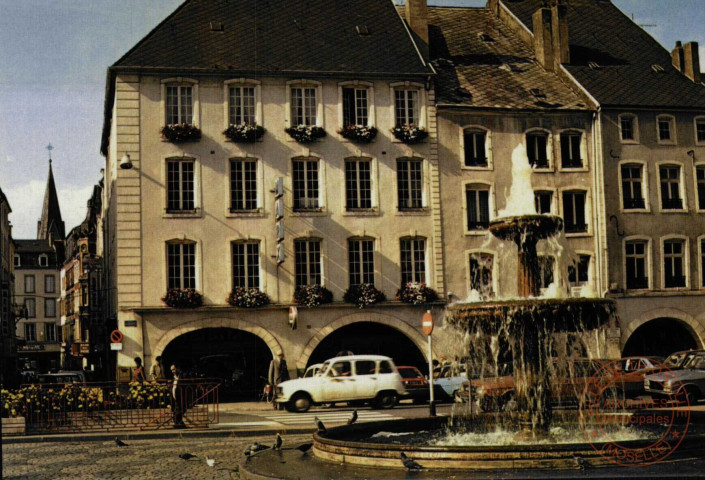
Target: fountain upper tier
526,228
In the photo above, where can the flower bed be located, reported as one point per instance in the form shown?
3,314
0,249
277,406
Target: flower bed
409,134
363,295
305,134
416,293
247,298
244,133
312,295
183,298
358,133
181,132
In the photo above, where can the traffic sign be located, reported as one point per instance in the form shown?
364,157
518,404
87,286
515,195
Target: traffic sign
116,336
427,323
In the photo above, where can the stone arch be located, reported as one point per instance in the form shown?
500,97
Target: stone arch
236,324
384,319
695,328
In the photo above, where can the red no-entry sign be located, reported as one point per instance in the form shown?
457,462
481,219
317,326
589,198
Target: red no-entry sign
116,336
427,323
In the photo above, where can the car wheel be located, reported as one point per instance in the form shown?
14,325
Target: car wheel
386,400
300,403
692,395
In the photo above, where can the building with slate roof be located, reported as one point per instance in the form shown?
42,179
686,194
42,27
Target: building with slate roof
650,130
8,342
203,213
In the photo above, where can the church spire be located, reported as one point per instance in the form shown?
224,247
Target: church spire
51,226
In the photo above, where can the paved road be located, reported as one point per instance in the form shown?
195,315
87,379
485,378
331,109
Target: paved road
143,459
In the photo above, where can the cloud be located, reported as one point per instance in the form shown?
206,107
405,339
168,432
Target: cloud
27,199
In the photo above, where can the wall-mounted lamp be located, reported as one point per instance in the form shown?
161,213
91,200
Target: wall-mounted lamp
691,154
125,162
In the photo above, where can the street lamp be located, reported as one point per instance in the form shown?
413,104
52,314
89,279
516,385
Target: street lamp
125,162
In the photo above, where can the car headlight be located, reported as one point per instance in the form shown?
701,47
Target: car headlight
667,387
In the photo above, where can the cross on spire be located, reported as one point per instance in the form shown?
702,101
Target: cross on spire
50,148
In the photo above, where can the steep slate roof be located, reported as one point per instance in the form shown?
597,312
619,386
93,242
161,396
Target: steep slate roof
279,36
497,73
51,221
599,32
3,199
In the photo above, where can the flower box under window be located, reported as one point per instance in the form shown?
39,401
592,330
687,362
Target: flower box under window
244,297
409,134
416,293
363,295
183,298
244,133
312,295
305,133
358,133
181,132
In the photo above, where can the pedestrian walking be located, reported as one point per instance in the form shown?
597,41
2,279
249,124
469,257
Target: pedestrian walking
156,372
177,398
278,373
138,373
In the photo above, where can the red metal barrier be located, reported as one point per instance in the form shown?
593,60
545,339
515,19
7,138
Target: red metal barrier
51,408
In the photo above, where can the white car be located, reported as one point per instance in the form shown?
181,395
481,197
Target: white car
354,378
313,370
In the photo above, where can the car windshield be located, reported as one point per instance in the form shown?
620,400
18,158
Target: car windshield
408,373
697,361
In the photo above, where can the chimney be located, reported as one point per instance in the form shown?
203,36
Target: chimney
677,56
543,38
417,18
691,65
561,47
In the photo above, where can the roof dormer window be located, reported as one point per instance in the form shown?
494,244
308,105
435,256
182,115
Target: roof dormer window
43,260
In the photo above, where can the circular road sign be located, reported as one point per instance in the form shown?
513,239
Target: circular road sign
427,323
116,336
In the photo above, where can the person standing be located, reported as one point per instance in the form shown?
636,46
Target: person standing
278,373
177,398
138,373
156,372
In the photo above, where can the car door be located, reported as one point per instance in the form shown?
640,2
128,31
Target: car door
340,382
365,379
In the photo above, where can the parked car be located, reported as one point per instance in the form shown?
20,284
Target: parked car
450,379
353,378
688,381
629,380
312,370
416,385
62,377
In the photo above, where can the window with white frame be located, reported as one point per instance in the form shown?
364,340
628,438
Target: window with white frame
546,271
180,186
18,262
477,201
670,178
574,203
31,305
307,262
665,125
49,332
243,184
50,307
636,256
571,156
305,181
410,183
700,130
181,264
356,106
474,141
30,332
674,272
543,201
700,185
537,149
43,260
304,106
242,105
29,286
413,260
632,186
406,106
246,265
49,283
578,273
628,128
361,261
358,184
480,268
179,103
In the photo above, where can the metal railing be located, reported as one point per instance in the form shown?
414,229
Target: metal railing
107,406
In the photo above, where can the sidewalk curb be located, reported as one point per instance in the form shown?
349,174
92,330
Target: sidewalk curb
132,435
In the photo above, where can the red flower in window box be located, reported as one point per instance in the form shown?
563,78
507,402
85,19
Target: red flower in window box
183,298
312,295
409,134
416,293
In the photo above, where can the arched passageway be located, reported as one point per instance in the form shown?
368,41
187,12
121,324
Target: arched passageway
370,338
660,337
239,359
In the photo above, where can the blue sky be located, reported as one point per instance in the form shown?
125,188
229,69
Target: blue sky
53,61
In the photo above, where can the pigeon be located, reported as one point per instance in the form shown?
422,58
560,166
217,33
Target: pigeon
120,443
304,448
580,462
186,456
278,443
353,419
254,449
409,463
319,425
210,461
